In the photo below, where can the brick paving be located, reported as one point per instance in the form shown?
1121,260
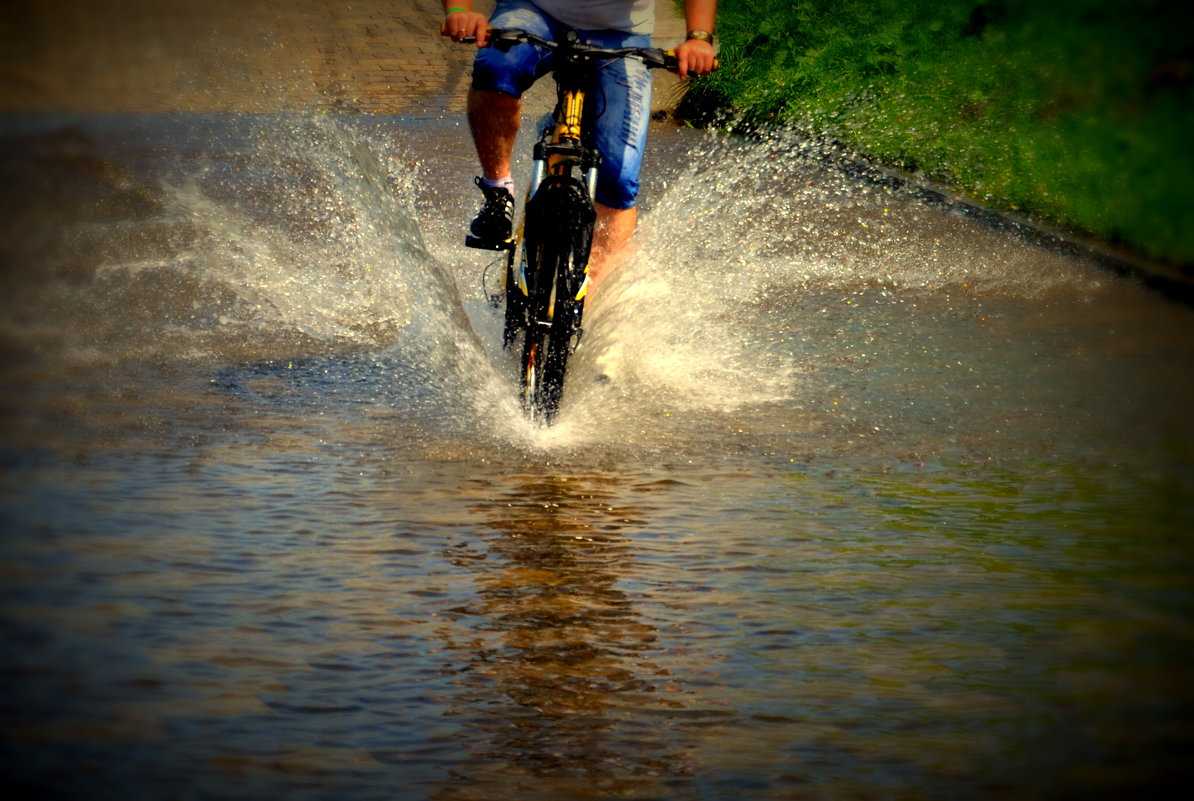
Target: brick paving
370,56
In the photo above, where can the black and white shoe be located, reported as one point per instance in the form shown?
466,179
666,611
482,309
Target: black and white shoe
494,224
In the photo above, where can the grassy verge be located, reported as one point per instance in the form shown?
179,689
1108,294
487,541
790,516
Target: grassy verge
1076,112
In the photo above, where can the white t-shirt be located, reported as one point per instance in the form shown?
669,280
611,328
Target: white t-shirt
632,16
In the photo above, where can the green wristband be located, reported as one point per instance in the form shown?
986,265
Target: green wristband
454,10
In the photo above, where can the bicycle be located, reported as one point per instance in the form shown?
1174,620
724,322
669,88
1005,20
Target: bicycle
546,273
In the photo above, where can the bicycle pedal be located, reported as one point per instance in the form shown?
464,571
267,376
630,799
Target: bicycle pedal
486,244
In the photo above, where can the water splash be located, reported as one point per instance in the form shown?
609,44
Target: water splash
778,209
319,238
276,238
699,320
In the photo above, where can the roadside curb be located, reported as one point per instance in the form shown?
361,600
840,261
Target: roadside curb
1171,280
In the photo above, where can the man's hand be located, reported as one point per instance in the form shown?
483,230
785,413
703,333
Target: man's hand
695,56
462,25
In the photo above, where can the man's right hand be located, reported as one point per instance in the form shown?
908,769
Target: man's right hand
460,26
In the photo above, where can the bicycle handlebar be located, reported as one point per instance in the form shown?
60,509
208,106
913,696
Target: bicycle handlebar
652,57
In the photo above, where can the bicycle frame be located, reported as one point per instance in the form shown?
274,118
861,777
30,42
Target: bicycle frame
562,149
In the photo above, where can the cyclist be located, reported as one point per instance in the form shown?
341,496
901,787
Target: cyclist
500,78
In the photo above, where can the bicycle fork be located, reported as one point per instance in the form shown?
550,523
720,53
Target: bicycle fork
558,152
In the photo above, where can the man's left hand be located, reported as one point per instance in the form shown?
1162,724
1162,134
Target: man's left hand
696,57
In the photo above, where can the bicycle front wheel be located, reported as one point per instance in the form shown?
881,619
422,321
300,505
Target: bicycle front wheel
559,236
544,361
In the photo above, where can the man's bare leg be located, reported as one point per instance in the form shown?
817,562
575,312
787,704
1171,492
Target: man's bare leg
493,118
613,230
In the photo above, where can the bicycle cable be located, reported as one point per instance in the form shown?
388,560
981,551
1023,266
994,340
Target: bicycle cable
494,300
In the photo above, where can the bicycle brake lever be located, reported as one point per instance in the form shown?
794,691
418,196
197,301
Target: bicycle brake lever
505,38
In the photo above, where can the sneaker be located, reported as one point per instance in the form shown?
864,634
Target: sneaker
493,225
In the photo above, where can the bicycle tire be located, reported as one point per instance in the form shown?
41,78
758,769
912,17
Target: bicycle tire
558,238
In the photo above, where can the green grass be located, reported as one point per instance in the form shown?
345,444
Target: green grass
1076,112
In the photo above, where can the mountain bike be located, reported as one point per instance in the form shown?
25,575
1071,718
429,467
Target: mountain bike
546,270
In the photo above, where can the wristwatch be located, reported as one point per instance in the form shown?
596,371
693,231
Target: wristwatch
704,36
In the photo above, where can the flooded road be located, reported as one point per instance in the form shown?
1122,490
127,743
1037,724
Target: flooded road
850,496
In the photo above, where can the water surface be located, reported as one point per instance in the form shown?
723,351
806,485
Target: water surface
850,496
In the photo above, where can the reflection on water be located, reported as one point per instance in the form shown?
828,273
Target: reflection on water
876,502
554,664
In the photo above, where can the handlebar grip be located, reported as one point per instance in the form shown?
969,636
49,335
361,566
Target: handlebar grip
501,38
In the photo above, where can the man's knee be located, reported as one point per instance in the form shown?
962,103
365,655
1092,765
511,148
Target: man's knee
619,192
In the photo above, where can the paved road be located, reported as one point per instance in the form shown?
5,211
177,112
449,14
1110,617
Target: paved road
372,56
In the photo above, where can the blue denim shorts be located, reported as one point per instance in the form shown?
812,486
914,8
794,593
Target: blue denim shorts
622,96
